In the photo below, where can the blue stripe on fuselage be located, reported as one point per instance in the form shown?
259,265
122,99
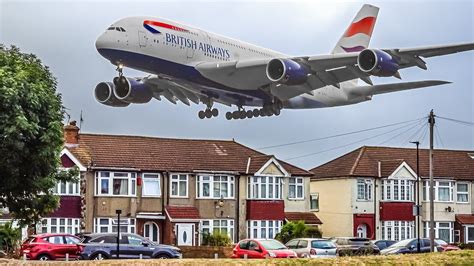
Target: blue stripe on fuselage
156,65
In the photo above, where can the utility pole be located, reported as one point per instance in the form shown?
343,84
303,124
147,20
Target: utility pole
118,212
431,121
417,196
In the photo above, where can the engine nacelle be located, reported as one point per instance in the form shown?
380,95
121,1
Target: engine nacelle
377,63
104,94
131,91
287,72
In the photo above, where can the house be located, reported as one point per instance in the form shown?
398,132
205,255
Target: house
370,192
174,191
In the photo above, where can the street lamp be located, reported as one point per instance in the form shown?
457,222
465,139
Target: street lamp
417,194
118,212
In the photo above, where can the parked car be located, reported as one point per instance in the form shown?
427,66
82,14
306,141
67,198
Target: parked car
443,246
261,248
383,244
104,246
50,247
410,246
349,246
312,247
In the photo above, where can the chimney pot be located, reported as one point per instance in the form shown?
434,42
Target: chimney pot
71,133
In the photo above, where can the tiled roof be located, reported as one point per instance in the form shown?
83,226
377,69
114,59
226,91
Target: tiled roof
465,218
363,162
167,154
182,212
307,217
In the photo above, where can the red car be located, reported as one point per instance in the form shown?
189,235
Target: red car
261,249
50,247
443,246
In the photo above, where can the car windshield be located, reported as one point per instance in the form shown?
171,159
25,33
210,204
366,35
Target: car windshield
322,244
402,243
272,244
440,242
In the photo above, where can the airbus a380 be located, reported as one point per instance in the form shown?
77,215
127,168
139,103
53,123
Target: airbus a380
188,64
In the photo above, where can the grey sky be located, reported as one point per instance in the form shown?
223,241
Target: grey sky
62,34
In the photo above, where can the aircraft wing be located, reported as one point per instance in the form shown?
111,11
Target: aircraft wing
362,91
325,69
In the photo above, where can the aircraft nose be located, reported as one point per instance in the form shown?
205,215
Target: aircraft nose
100,42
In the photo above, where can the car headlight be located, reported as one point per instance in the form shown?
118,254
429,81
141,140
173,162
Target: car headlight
271,254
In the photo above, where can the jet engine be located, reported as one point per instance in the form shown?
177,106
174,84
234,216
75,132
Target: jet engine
131,90
377,63
104,94
287,71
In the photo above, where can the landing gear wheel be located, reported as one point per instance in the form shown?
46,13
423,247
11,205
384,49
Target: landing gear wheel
208,113
256,112
242,115
228,115
249,114
276,112
235,115
201,115
215,112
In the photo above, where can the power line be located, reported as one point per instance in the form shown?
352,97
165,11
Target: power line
424,134
349,144
417,133
467,123
401,133
338,135
438,136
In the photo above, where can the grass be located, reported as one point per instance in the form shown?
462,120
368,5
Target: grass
465,257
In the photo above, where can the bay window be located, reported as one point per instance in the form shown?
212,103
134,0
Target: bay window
109,225
443,230
215,186
115,184
60,225
443,190
364,189
151,185
296,188
263,228
264,187
397,189
462,192
179,185
220,226
397,230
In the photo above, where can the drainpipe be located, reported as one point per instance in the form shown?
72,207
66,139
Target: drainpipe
375,198
237,211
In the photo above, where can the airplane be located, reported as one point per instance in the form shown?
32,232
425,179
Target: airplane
188,64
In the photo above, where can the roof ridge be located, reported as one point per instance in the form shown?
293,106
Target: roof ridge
356,163
156,137
426,149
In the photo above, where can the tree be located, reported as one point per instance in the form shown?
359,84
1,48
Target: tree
298,229
31,136
9,238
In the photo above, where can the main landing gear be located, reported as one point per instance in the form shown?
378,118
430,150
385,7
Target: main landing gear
208,113
267,110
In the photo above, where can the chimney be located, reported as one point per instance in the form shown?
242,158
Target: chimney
71,134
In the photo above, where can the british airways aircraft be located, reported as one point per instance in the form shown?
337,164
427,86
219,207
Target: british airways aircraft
188,64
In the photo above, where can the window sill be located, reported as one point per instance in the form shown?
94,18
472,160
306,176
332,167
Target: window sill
214,198
115,196
295,199
151,196
179,197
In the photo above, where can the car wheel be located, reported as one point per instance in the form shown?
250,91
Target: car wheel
98,256
162,256
44,257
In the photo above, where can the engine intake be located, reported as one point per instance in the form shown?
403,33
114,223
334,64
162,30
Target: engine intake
104,94
377,63
286,71
131,91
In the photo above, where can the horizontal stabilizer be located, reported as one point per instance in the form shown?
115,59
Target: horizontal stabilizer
386,88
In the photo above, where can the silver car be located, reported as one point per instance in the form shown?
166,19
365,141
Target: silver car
313,247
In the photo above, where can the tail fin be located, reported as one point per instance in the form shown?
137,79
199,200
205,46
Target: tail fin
357,36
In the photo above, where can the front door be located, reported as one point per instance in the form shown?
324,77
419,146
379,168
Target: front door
185,234
362,230
150,231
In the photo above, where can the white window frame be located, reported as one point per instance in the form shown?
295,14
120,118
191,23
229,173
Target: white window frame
466,228
437,228
314,196
295,183
70,188
230,184
178,180
131,182
467,193
398,230
112,222
60,225
209,226
257,183
152,178
263,228
390,186
367,186
426,190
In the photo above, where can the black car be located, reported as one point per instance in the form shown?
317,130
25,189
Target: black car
350,246
408,246
104,246
383,244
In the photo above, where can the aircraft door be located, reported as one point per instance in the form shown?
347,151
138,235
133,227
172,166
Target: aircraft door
142,38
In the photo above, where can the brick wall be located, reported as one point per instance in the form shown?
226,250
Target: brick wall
265,210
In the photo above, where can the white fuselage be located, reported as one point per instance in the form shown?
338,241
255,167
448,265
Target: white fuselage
167,48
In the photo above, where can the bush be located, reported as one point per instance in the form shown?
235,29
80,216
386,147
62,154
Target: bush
9,238
216,239
466,245
296,230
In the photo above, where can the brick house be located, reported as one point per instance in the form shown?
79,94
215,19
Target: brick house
370,192
174,191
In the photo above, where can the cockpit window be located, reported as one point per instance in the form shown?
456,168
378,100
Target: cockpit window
122,29
111,28
117,29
